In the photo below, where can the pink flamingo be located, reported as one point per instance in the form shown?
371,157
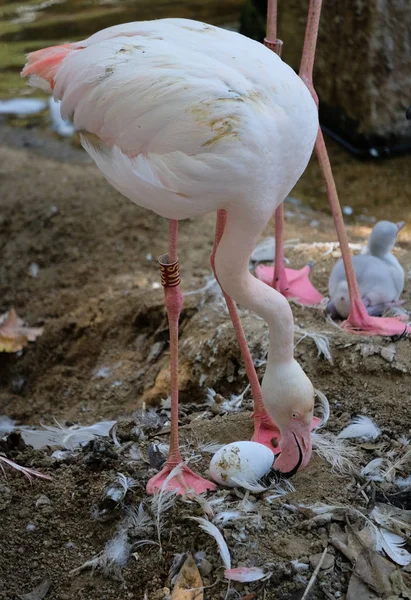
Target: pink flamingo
180,117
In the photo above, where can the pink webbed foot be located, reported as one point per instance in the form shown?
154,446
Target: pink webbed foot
295,284
385,326
360,322
182,483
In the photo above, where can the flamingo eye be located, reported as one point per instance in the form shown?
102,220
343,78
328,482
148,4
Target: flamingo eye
294,415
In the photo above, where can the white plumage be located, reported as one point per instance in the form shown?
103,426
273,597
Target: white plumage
190,117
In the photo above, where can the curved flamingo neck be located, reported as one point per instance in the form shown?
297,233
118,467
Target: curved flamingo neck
232,260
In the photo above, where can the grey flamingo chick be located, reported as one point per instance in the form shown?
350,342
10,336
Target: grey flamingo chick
379,274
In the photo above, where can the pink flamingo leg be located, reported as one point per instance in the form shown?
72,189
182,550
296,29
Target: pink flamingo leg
185,480
359,321
290,283
265,430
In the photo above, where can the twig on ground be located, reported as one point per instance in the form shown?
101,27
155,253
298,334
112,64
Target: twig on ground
314,575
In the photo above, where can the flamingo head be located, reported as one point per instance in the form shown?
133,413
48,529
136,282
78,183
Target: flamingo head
288,397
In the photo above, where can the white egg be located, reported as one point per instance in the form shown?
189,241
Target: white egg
241,461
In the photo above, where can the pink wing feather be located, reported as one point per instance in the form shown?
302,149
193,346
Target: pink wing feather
45,63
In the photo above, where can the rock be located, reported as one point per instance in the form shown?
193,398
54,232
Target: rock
42,501
215,408
360,75
204,566
328,561
388,353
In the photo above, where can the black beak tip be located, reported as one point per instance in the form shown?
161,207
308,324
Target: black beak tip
300,460
408,113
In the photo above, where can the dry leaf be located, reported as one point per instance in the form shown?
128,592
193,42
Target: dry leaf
357,589
375,571
14,336
189,585
401,583
39,592
339,539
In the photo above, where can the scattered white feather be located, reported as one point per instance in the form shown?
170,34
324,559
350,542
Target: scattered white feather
218,500
235,401
380,521
246,505
341,456
403,482
391,517
209,447
392,544
230,405
148,418
102,372
321,509
163,448
389,473
122,484
320,339
279,490
249,483
362,428
67,437
116,552
323,409
201,500
210,394
62,454
163,500
246,574
134,453
212,530
113,558
226,516
372,470
138,519
299,566
114,436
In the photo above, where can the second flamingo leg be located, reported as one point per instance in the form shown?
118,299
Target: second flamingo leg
291,283
184,480
359,321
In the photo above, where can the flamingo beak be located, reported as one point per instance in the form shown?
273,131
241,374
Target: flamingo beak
400,225
295,448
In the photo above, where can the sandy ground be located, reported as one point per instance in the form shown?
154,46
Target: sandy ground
104,352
